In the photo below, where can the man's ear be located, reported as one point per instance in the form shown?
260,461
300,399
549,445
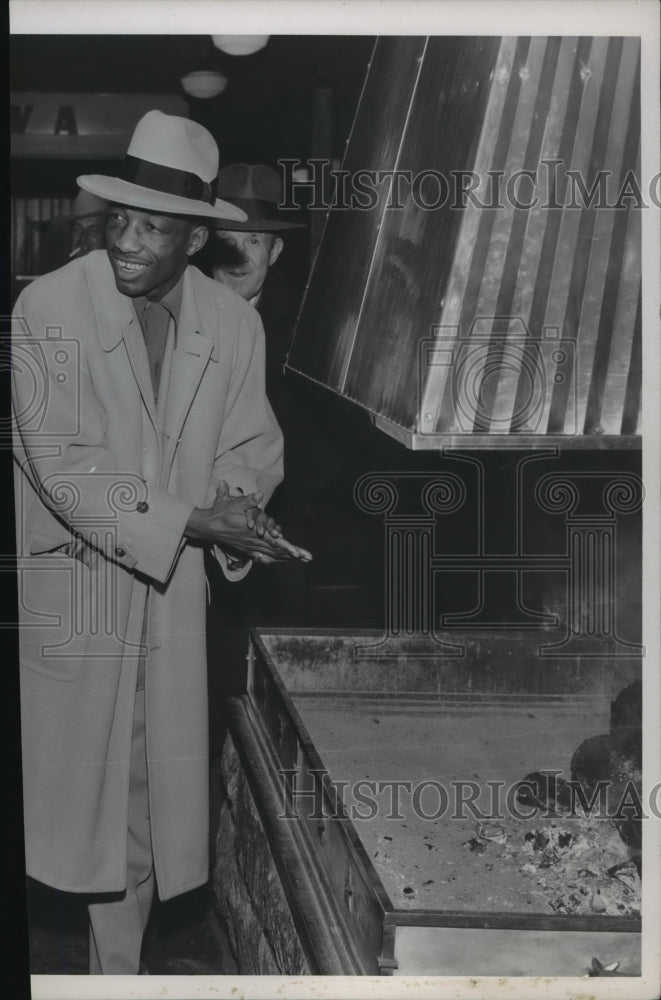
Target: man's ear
198,237
276,250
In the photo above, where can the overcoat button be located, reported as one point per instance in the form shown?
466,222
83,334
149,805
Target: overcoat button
120,553
142,507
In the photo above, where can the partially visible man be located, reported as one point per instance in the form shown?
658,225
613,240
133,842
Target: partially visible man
76,234
243,252
153,440
88,223
243,256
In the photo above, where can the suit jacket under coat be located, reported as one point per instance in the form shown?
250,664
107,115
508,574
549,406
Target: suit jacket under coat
90,465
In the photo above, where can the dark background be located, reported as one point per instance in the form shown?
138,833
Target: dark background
265,113
294,99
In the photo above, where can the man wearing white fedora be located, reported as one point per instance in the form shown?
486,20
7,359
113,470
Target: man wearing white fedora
143,435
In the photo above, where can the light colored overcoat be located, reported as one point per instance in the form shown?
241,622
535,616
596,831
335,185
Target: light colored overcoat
91,465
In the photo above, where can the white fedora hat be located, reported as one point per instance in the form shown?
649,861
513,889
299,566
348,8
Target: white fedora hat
171,166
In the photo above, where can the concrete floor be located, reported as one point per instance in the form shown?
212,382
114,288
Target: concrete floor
184,936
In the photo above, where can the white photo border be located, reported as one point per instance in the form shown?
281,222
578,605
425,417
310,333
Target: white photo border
410,17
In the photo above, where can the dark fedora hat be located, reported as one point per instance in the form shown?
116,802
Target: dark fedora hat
257,189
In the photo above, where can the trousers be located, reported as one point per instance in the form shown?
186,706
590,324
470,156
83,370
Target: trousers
117,921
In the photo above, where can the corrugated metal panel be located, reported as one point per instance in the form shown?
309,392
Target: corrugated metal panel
486,323
411,263
342,266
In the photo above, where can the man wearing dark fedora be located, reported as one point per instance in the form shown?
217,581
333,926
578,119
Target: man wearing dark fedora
143,436
75,234
243,253
88,222
245,256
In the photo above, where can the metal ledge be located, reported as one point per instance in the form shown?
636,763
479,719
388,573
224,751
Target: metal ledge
321,927
508,442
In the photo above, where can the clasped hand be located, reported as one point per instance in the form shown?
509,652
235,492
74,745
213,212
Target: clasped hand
240,525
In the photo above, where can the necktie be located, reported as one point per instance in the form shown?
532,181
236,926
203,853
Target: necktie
155,320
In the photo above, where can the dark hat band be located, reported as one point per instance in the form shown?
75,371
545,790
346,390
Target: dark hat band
263,216
257,208
168,180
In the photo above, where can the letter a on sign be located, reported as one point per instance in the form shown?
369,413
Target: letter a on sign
66,121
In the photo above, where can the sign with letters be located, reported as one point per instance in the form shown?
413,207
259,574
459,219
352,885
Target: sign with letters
73,125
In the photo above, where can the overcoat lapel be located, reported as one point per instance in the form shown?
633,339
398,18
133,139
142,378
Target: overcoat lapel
137,352
116,321
189,361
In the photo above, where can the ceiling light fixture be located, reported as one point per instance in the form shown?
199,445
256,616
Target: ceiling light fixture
204,83
239,45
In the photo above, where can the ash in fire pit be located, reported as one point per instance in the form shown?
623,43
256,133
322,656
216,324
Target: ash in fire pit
575,862
575,868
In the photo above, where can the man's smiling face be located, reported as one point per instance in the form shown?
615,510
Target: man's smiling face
149,251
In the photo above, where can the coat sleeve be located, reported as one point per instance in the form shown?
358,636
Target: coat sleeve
61,447
250,448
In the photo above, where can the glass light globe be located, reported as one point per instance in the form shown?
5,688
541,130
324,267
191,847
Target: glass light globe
239,45
204,83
